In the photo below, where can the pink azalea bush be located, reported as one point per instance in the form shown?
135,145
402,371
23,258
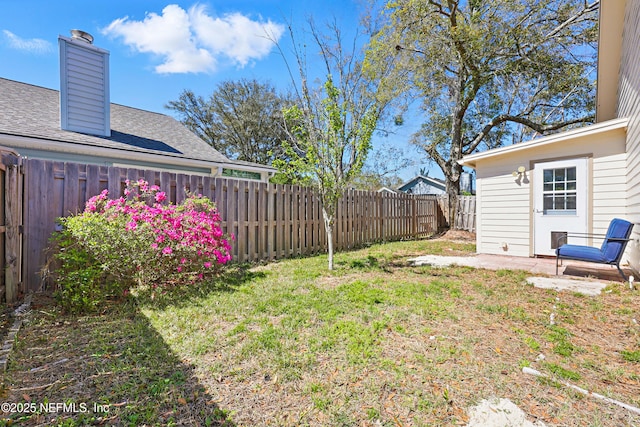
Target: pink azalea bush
141,239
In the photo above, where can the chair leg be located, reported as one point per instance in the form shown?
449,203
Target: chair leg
624,276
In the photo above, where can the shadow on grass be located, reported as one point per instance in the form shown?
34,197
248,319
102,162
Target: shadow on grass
368,263
595,271
392,255
108,369
229,280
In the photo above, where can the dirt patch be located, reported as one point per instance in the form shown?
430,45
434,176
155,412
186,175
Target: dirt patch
458,235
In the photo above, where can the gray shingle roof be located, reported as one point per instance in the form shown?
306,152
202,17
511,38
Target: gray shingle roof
33,111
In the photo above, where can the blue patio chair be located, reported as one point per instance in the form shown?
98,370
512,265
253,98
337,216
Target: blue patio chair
615,241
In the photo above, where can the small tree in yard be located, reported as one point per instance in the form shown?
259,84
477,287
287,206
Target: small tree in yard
330,127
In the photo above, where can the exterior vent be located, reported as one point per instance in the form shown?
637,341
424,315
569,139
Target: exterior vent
84,85
82,36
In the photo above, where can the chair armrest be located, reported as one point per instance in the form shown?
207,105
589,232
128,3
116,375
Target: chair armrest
566,236
589,235
619,239
580,235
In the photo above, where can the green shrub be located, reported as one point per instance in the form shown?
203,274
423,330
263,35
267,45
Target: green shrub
82,285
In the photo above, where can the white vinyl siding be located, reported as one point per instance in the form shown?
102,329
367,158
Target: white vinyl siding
502,212
629,106
609,192
84,88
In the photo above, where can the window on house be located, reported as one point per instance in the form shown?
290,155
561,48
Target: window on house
559,191
234,173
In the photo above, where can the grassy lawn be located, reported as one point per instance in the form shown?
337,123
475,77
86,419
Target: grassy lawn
374,343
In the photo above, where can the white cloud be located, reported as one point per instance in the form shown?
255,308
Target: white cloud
29,45
168,36
194,41
234,35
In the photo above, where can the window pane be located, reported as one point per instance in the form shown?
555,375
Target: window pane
559,191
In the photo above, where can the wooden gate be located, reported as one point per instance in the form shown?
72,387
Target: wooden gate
10,225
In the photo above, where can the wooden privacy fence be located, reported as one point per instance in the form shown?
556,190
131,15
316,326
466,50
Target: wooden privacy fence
466,213
10,224
268,221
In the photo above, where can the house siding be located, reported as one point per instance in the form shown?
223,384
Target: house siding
629,106
608,193
503,215
504,210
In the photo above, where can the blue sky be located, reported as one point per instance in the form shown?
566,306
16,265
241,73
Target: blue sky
160,48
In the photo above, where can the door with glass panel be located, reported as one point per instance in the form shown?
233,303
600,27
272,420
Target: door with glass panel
560,203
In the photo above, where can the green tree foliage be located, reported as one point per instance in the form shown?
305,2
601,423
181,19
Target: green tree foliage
488,72
331,124
241,119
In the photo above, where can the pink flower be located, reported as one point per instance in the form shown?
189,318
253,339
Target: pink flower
207,264
132,225
167,250
154,246
161,196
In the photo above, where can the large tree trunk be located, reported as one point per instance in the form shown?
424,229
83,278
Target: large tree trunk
328,226
452,193
453,187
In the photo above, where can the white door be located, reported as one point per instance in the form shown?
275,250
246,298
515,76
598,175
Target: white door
560,203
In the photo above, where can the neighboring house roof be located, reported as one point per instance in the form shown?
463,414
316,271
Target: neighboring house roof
387,189
433,182
34,112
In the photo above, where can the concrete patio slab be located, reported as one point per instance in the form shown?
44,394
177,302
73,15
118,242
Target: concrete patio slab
585,287
499,413
573,276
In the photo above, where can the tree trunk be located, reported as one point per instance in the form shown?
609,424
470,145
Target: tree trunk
328,226
453,190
